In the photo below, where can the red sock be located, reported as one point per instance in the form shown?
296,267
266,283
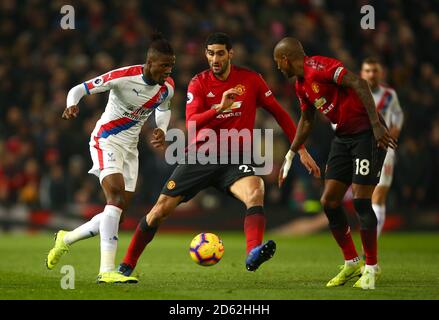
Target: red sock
142,236
254,227
369,240
344,240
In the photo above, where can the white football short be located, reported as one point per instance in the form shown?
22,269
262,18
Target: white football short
109,158
387,170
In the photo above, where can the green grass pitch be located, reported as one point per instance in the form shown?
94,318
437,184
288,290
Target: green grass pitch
299,270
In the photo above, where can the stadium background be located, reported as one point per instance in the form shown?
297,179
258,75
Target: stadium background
44,161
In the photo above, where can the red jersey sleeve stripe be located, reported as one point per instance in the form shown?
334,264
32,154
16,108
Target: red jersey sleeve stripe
89,85
171,82
127,72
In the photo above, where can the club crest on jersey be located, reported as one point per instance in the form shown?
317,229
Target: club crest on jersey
240,88
111,157
318,103
98,81
170,185
315,87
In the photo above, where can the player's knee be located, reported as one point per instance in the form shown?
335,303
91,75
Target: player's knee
115,197
255,196
161,210
336,217
329,202
368,219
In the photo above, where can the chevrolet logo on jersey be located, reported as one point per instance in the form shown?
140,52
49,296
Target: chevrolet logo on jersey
318,103
235,105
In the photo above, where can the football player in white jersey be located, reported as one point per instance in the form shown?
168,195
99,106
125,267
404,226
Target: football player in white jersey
135,92
388,106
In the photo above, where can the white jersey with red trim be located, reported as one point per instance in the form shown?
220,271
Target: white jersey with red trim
387,104
130,103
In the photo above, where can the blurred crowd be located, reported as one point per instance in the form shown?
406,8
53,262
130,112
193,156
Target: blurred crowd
44,160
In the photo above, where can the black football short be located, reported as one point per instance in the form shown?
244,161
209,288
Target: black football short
355,159
189,179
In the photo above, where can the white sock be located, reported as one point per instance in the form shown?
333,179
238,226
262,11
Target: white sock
380,212
108,229
372,268
84,231
352,261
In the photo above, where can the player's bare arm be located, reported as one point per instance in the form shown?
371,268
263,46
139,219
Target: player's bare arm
304,128
285,122
361,87
309,163
395,132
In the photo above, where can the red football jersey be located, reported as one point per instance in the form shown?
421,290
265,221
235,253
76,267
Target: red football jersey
205,93
320,88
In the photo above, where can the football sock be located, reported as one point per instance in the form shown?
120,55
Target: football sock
142,236
352,261
338,224
108,228
254,227
380,212
372,268
84,231
368,229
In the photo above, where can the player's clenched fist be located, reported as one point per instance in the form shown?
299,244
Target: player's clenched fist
158,138
70,112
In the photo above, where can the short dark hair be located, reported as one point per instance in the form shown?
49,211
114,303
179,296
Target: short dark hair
219,38
160,44
371,60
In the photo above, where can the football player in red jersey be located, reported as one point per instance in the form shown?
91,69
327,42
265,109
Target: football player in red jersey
357,151
224,97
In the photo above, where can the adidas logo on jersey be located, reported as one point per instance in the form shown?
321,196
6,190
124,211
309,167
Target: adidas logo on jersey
210,95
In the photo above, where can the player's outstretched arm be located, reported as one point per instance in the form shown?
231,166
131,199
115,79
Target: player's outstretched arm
362,89
73,97
304,128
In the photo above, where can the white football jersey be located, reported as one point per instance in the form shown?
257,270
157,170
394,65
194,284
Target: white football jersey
387,104
130,103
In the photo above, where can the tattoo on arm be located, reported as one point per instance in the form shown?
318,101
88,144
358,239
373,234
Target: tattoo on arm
362,89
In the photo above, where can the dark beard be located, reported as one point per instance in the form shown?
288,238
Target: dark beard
223,69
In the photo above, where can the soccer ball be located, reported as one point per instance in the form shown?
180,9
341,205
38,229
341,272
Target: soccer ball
206,249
